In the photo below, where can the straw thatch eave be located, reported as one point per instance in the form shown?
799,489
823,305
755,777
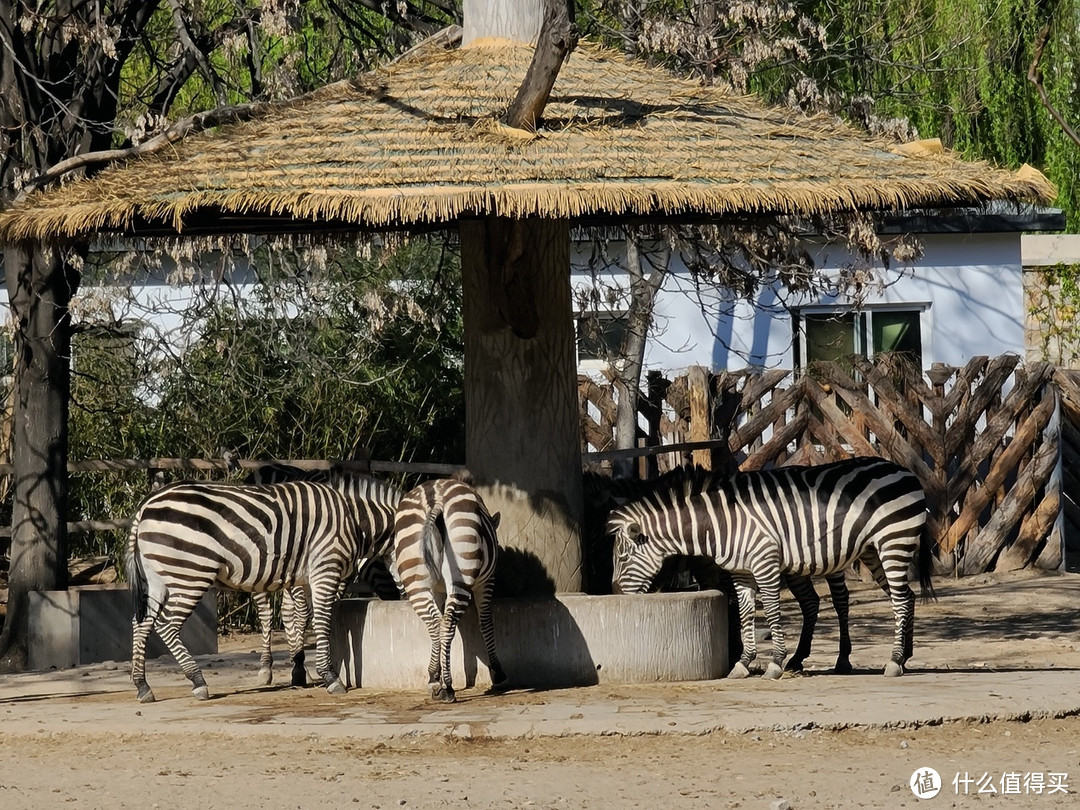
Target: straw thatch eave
416,144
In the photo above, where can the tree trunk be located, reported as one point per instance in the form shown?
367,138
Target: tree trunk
627,372
522,425
516,20
558,36
40,287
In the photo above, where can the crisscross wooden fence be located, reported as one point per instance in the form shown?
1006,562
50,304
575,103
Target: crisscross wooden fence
987,440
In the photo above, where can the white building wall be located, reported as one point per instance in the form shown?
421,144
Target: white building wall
969,286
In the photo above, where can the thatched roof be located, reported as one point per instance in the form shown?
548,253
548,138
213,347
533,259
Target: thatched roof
417,143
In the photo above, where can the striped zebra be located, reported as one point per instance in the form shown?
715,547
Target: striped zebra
189,536
798,522
446,549
604,493
377,501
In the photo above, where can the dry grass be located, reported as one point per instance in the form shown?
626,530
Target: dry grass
418,143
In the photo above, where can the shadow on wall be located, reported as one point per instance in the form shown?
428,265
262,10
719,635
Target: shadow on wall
521,574
384,645
539,642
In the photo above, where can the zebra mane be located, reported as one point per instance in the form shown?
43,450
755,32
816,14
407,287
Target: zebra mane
365,486
682,482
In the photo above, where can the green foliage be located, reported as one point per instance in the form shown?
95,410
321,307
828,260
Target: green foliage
316,358
252,51
957,69
950,69
1053,297
368,363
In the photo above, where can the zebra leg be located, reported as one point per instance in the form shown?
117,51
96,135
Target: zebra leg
452,613
295,612
168,630
895,584
266,618
769,585
423,604
744,589
324,588
487,632
841,601
140,631
903,600
809,604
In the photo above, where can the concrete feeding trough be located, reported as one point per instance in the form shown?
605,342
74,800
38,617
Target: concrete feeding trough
568,640
92,623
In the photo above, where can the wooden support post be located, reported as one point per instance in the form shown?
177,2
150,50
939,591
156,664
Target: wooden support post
697,380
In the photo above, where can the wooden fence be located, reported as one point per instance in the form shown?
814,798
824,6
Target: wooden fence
996,444
986,440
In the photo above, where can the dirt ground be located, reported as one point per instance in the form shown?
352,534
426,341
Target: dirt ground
1013,622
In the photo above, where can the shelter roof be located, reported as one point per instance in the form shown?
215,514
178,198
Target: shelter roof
417,143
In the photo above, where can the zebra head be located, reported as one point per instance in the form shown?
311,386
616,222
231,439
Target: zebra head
636,559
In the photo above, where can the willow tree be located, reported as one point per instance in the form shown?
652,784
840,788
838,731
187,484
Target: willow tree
996,81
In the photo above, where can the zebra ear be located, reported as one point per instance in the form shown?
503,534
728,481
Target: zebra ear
495,520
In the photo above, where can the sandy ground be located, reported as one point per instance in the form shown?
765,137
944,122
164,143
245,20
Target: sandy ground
245,751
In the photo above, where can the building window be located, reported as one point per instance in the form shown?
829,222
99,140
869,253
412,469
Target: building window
870,332
600,335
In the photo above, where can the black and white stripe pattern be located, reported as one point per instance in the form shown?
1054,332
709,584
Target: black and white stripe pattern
446,550
794,522
187,537
376,501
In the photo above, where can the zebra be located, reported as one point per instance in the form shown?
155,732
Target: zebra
190,535
446,548
794,521
604,493
377,501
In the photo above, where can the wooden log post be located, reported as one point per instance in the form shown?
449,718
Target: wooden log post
697,380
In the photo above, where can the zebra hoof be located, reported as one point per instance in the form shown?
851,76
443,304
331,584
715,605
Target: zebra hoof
265,677
336,688
146,695
843,668
201,693
773,671
739,671
445,696
893,670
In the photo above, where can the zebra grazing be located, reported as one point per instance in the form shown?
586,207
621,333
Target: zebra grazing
603,493
446,549
794,522
377,501
188,536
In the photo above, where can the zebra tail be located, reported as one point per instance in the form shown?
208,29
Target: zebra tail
137,576
431,540
926,566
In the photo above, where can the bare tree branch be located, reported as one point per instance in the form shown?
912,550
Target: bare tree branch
179,130
1034,75
184,35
